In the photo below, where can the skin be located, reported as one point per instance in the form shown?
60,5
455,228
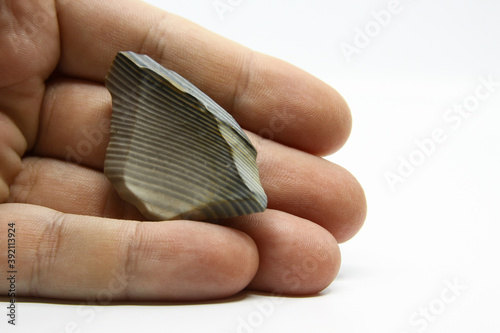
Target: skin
75,237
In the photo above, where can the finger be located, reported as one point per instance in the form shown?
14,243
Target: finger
274,232
332,198
296,256
75,122
69,188
265,95
80,257
311,187
294,181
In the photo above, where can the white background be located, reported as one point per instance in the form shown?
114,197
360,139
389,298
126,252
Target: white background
436,227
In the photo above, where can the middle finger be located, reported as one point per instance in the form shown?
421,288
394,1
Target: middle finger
74,126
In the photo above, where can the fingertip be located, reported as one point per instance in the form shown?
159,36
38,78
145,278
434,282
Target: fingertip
283,103
316,271
351,214
337,125
297,257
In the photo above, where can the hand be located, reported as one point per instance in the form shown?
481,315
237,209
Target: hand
76,239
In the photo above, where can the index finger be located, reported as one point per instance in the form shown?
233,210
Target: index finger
265,95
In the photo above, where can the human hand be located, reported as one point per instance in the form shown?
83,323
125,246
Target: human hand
75,237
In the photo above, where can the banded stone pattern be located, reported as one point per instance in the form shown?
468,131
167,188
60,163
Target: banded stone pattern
173,152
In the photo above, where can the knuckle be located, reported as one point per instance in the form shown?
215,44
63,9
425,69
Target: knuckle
46,255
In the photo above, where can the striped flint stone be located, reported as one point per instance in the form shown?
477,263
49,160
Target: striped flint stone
173,152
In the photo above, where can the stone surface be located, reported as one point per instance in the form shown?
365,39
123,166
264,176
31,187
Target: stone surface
173,152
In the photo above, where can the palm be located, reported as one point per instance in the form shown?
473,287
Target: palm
75,232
